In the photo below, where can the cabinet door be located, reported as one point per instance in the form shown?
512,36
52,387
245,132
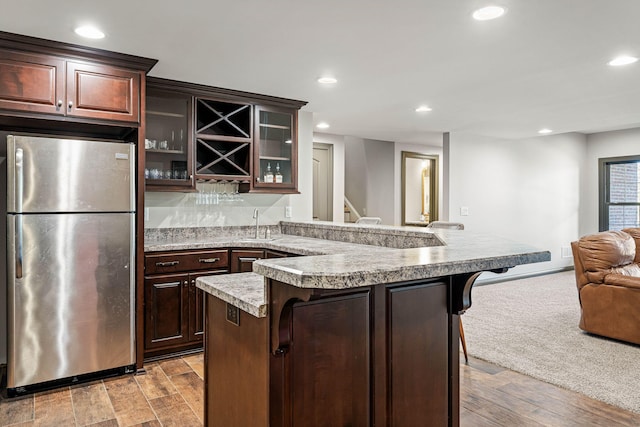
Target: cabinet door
168,153
33,83
166,310
275,150
242,260
102,92
196,306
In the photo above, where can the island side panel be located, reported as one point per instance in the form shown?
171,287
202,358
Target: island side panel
382,352
418,347
330,357
236,368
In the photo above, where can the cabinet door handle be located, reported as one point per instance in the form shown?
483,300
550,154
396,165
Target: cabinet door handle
208,260
248,259
59,103
167,264
70,105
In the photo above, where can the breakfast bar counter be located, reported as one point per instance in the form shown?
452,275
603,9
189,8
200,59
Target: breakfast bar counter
361,331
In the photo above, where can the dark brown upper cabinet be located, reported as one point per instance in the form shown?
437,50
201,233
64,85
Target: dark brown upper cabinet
102,92
224,137
32,83
168,141
39,77
233,137
275,150
49,84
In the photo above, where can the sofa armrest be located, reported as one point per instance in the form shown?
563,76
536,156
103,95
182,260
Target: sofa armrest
622,280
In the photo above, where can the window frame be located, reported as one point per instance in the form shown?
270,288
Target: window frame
603,191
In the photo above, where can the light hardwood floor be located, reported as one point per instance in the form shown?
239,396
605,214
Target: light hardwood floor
171,394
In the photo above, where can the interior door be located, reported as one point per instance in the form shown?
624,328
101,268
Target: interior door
322,182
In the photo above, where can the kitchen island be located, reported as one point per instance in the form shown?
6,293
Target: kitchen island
362,331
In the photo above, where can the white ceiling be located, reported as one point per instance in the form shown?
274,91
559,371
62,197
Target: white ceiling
541,65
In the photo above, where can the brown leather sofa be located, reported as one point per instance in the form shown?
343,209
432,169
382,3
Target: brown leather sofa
607,268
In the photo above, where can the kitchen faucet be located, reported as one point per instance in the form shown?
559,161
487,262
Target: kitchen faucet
255,216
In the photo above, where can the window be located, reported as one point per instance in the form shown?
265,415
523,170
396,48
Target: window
619,193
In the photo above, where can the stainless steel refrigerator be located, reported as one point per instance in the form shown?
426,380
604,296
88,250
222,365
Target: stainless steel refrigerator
70,258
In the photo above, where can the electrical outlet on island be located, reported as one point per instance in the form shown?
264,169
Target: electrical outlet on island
287,211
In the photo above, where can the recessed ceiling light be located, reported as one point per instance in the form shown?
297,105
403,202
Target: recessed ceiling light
488,13
545,131
89,32
423,109
327,80
622,60
322,125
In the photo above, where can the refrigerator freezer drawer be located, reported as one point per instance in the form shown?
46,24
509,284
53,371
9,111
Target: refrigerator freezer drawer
71,312
68,175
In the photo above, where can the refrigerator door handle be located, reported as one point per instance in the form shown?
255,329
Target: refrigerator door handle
19,179
18,198
18,246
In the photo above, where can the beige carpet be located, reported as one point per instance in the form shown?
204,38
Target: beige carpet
531,326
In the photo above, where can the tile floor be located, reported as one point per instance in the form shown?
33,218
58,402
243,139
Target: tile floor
169,394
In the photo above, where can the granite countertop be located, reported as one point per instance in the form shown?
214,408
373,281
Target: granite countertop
459,252
342,256
243,290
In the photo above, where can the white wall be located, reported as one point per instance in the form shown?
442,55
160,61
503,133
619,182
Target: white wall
337,141
525,190
168,209
601,145
302,204
430,150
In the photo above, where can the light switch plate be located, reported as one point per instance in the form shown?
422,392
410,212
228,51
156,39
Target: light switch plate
464,211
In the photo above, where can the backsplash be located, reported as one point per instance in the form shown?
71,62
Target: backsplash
208,208
377,235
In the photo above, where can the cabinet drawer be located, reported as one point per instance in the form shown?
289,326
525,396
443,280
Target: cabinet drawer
168,262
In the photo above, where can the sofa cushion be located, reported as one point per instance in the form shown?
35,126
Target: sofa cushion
601,252
635,233
631,282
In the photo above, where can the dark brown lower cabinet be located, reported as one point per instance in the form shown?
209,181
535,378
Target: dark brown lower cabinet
173,305
378,355
242,259
166,310
174,313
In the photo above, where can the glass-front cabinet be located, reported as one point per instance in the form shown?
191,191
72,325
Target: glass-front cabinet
168,164
275,150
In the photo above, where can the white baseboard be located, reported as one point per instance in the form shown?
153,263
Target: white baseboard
498,279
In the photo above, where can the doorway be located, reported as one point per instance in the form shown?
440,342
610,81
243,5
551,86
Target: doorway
419,188
322,182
